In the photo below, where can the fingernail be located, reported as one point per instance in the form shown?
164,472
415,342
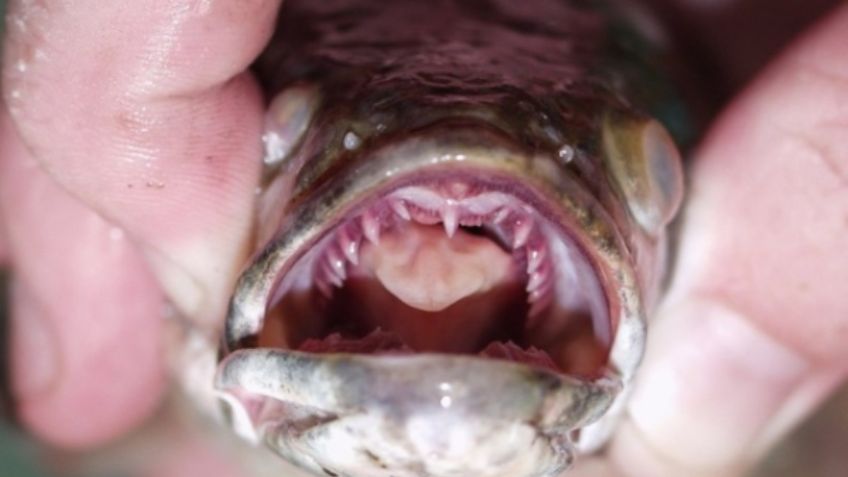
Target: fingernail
34,356
710,384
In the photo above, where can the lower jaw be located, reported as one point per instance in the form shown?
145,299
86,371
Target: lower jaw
453,415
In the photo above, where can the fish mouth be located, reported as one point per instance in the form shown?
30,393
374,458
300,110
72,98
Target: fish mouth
451,260
450,278
451,240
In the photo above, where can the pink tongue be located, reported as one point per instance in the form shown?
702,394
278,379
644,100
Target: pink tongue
427,270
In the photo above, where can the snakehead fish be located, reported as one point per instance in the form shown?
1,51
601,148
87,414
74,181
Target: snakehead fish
461,234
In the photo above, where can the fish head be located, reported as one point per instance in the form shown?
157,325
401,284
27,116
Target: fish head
453,274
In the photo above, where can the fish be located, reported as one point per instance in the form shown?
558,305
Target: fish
461,232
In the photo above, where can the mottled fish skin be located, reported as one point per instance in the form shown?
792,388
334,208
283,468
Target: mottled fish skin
557,96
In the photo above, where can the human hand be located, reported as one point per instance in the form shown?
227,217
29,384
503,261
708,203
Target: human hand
130,145
141,114
751,335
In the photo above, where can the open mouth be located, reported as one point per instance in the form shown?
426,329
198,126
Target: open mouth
446,265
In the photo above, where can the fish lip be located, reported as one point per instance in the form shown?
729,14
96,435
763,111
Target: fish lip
295,402
436,151
343,383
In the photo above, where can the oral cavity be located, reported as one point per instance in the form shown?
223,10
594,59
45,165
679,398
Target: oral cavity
449,268
431,246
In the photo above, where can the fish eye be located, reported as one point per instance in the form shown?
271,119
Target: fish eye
645,164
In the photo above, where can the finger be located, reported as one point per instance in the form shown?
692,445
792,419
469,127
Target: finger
142,110
592,467
4,247
753,332
86,312
195,458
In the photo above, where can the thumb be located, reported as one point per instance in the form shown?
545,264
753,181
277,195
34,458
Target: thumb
752,335
143,111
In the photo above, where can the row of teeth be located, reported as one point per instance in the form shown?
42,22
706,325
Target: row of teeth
512,225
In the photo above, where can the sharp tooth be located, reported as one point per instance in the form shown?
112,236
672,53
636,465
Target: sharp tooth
535,282
502,214
535,257
332,276
538,304
472,221
450,218
322,284
400,208
371,227
337,263
349,246
522,232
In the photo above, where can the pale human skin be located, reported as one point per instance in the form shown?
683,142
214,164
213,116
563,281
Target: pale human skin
128,163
